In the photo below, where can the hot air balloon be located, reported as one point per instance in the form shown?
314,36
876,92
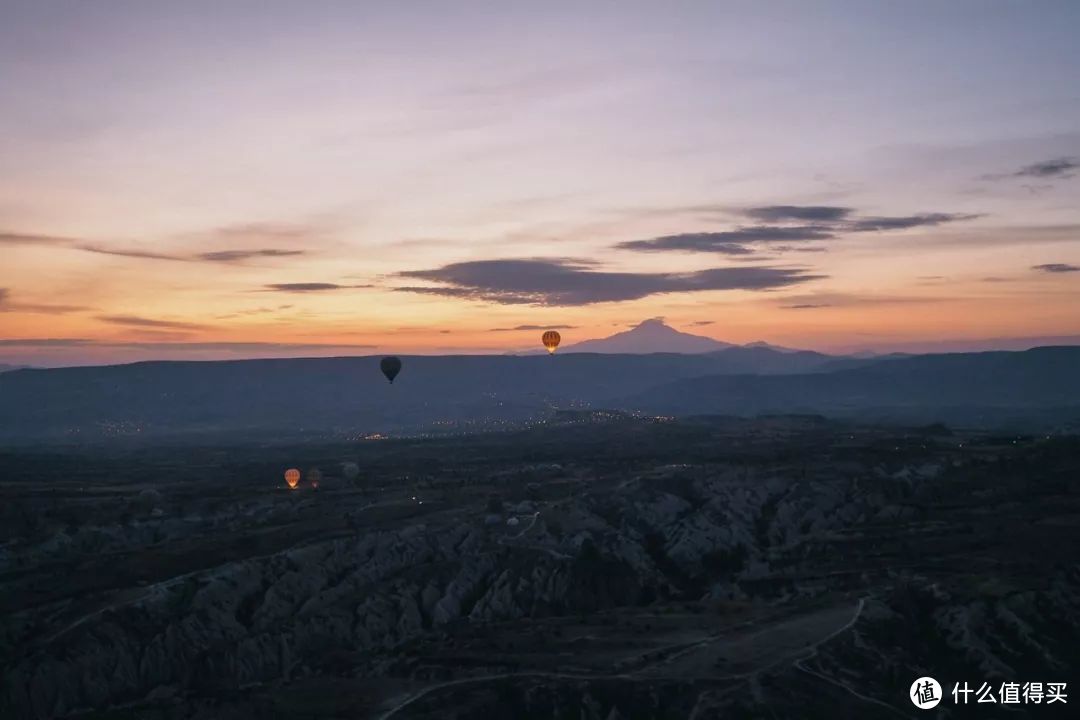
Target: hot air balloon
292,477
551,340
390,367
314,477
350,470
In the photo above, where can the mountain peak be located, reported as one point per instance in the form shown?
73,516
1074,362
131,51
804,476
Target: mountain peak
650,336
657,322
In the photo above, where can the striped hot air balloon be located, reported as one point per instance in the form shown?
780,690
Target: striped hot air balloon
551,340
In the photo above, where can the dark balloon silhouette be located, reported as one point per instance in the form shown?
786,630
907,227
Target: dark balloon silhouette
390,367
551,340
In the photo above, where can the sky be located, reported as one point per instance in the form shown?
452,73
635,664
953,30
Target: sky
206,180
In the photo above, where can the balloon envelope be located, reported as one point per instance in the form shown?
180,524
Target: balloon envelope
390,367
551,340
292,477
350,470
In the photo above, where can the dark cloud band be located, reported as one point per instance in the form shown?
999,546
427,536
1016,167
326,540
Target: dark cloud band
566,283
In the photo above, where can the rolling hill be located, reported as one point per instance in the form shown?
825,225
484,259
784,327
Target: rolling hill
348,396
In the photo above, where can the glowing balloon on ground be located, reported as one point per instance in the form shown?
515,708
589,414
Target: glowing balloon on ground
390,367
551,340
292,477
314,477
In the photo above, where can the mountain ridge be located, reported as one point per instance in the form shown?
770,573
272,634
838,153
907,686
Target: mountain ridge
649,336
470,393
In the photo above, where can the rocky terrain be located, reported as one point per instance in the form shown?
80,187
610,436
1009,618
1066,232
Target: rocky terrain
784,567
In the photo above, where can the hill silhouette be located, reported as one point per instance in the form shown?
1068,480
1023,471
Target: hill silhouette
348,396
986,388
650,336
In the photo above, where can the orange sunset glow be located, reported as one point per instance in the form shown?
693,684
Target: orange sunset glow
198,186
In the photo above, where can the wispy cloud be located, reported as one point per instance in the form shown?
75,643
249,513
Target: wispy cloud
262,231
253,311
177,346
309,287
798,213
1056,268
130,253
228,256
534,327
16,238
702,323
8,305
144,322
46,342
729,242
1056,168
571,283
904,222
788,224
1059,168
232,235
839,299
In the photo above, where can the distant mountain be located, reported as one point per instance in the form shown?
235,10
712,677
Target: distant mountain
9,368
650,336
765,361
769,346
312,395
348,397
301,396
1039,386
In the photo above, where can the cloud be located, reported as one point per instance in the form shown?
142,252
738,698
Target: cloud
309,287
839,299
142,322
46,342
534,327
700,323
42,308
6,305
16,238
502,298
215,256
729,242
565,282
181,346
227,256
799,213
1055,169
233,234
265,230
253,311
139,254
826,222
249,241
905,222
1057,268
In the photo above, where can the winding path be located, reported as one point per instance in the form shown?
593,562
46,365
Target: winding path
804,654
